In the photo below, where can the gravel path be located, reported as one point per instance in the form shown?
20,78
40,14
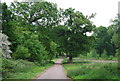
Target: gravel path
54,72
102,61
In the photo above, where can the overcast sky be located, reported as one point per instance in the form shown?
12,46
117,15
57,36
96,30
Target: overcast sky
105,9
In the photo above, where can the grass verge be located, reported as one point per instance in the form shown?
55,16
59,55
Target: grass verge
21,69
92,71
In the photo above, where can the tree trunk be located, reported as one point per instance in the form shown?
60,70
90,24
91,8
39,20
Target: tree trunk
100,55
56,55
50,59
70,59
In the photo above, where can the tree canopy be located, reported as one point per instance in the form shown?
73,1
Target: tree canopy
40,31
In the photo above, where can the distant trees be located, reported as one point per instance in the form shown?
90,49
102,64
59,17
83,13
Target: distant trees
103,41
106,39
114,29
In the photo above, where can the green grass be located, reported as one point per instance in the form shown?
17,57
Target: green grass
82,69
93,71
30,73
21,69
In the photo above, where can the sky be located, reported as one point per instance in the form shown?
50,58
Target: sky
105,10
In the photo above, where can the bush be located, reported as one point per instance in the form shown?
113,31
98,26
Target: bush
65,61
14,66
104,71
104,55
92,54
117,53
94,71
22,52
77,71
110,58
21,69
36,49
82,56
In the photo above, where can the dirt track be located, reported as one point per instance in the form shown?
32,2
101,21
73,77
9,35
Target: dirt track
103,61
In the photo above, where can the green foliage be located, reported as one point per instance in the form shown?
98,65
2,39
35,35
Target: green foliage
103,41
35,25
93,71
6,19
11,66
21,52
32,12
115,39
53,46
104,55
115,30
21,69
74,72
36,34
110,57
72,36
107,39
65,61
117,51
93,54
38,53
83,56
31,41
76,39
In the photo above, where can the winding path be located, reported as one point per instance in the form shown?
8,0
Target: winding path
54,72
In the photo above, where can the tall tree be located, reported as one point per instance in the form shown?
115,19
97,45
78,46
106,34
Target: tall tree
103,41
6,20
115,28
44,14
72,35
39,19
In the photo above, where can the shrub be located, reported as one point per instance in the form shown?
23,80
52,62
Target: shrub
82,56
104,71
94,71
22,52
65,61
77,71
104,55
36,49
10,66
92,54
110,58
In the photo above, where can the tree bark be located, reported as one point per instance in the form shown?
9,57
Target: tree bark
70,59
56,55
